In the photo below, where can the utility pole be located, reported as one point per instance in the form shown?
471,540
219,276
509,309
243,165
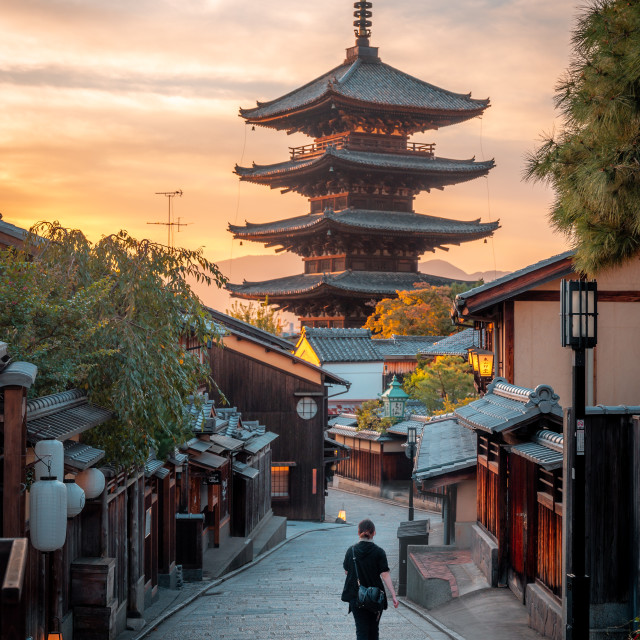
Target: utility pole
170,195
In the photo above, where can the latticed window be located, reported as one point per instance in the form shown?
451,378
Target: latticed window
280,482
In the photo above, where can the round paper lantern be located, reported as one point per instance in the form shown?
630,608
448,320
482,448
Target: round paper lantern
48,514
92,481
75,497
49,459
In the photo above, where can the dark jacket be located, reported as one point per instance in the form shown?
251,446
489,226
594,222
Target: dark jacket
372,561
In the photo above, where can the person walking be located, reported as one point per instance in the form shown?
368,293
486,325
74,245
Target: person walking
372,569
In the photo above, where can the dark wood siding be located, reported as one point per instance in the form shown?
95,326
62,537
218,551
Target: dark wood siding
268,394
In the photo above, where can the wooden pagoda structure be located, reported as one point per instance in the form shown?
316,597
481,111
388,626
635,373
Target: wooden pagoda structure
361,239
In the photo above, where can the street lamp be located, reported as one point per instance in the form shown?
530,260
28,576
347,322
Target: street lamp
482,362
410,451
578,301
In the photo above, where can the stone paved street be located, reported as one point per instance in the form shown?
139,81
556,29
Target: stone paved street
295,591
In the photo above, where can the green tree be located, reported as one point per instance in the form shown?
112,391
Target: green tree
369,417
442,384
593,163
420,312
262,315
110,318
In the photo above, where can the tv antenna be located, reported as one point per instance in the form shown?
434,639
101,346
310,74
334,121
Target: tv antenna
170,195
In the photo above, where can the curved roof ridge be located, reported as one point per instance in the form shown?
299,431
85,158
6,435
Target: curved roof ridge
332,72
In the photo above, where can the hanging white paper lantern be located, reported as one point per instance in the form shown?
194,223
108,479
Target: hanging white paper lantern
49,459
75,497
92,481
48,514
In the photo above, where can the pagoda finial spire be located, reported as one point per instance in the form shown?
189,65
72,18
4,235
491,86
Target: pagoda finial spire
362,23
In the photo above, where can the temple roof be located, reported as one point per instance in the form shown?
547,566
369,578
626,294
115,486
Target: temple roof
442,171
349,282
372,86
361,219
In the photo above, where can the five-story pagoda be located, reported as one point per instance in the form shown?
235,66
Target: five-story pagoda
361,240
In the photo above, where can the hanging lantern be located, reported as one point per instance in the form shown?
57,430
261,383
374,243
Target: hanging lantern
49,459
75,497
48,514
92,481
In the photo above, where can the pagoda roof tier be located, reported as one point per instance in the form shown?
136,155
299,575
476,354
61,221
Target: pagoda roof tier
363,91
440,230
361,284
338,170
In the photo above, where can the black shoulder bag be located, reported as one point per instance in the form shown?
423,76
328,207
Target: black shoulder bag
370,598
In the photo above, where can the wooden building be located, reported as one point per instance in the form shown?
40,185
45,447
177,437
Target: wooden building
445,469
517,540
361,239
520,317
257,371
376,460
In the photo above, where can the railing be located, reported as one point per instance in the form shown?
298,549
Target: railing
361,143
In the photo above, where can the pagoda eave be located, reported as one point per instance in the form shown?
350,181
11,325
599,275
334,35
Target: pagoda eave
333,113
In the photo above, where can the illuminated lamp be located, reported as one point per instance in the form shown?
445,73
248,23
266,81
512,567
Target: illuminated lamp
48,514
49,459
92,481
75,497
342,515
55,635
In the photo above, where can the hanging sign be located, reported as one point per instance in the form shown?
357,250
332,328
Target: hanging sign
580,437
215,477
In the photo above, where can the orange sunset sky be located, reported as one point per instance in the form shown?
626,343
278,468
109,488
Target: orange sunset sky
106,103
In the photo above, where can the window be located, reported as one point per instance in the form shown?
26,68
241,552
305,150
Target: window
307,408
280,483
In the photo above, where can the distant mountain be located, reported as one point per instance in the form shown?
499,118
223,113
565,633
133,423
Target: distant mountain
265,267
444,269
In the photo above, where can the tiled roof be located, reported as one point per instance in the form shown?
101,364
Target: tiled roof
341,345
545,450
422,165
445,447
19,374
81,456
494,287
416,408
260,441
61,416
454,345
365,282
374,83
245,470
345,420
240,327
395,221
207,460
200,414
402,428
506,406
352,432
11,230
404,345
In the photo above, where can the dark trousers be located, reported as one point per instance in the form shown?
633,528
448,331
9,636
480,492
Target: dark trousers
366,624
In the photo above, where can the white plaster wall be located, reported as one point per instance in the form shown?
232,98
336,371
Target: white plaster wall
466,510
365,379
539,358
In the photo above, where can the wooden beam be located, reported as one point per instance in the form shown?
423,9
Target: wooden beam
15,445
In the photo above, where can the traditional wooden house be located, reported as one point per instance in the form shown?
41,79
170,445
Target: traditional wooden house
361,239
445,469
257,371
519,314
400,354
377,464
517,540
11,235
97,579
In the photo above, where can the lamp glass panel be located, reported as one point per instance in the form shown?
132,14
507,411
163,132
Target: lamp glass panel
485,362
411,435
476,362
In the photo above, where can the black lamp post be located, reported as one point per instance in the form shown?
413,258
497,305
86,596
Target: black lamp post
578,300
410,452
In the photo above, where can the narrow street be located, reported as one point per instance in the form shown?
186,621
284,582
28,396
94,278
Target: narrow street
295,591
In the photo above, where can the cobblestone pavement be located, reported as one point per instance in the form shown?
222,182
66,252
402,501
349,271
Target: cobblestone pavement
295,591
